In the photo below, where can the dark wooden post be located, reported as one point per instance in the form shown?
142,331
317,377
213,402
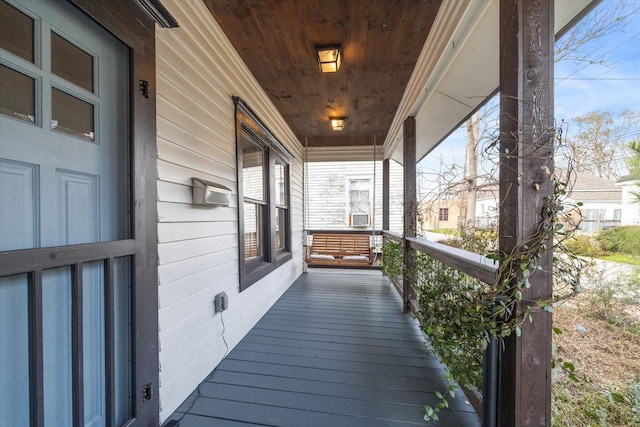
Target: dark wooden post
526,153
386,177
410,211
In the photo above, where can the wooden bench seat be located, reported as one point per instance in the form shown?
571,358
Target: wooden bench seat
340,250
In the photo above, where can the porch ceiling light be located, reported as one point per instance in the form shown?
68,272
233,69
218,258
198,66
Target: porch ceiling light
337,123
329,58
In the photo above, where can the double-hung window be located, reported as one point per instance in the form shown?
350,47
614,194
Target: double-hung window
359,202
282,206
263,195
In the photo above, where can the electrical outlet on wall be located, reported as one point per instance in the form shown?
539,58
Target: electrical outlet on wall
221,302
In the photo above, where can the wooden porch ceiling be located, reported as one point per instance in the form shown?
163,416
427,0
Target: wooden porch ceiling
381,42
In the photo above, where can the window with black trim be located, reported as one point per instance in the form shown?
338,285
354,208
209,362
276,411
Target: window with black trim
263,195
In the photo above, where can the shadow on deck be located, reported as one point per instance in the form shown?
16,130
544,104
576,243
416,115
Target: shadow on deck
335,350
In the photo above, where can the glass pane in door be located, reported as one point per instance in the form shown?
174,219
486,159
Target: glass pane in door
17,95
16,32
71,115
71,63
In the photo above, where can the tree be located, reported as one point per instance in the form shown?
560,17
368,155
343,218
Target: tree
582,42
633,162
581,45
473,140
600,140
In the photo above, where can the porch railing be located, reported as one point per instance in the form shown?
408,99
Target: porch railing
468,266
76,271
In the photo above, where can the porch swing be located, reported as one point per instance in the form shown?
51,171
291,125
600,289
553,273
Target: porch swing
344,249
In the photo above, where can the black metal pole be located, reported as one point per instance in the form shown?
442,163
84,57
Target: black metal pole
490,384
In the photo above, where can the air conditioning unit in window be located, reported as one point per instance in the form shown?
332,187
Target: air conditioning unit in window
359,220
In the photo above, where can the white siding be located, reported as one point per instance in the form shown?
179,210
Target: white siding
327,190
198,72
630,206
396,197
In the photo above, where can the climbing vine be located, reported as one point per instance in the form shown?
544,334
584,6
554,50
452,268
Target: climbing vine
461,314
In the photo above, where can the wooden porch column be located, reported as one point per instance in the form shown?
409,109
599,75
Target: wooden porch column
409,160
386,176
526,153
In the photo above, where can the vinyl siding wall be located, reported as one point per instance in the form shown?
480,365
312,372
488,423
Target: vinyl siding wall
630,205
327,190
198,72
396,197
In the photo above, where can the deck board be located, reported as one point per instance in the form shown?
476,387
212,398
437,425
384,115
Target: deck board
335,350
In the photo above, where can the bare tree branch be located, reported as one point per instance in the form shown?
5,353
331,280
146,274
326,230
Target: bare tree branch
579,44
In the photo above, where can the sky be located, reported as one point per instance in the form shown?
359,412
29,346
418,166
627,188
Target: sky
580,88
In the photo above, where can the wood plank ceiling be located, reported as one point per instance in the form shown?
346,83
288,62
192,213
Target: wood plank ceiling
381,41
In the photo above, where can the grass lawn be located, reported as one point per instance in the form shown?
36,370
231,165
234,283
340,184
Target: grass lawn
624,258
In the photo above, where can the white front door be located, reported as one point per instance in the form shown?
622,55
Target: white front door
64,180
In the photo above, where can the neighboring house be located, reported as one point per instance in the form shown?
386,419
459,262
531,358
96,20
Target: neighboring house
444,213
630,187
601,200
109,267
348,196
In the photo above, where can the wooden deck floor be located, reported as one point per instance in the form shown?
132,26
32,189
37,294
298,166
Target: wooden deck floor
334,351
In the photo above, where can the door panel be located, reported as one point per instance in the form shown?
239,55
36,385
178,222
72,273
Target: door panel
55,142
19,183
56,331
77,209
93,343
65,180
14,344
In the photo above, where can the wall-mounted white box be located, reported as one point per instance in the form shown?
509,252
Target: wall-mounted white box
209,193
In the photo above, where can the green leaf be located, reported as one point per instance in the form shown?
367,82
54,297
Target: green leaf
617,397
518,331
557,330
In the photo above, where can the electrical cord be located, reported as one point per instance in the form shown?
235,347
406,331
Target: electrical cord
176,423
226,346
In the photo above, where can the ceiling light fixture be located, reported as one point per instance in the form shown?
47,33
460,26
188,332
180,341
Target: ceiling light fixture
329,58
337,123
